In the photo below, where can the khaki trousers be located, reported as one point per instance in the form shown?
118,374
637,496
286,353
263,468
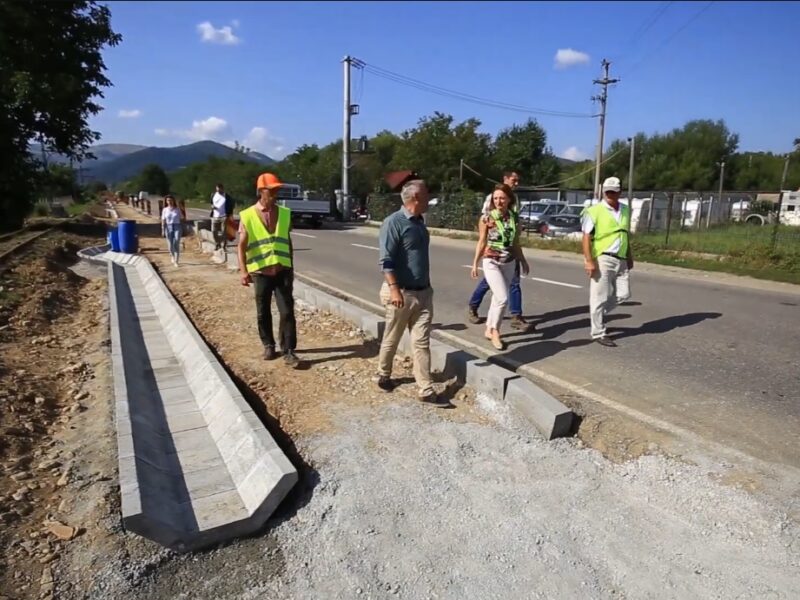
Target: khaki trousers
610,285
416,316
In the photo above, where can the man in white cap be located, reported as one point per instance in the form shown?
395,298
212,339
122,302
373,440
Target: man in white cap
607,256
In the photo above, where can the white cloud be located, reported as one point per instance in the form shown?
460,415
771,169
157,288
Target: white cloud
217,129
223,35
212,128
574,153
235,23
129,114
567,57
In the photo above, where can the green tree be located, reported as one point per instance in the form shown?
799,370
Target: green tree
524,149
435,147
51,73
153,179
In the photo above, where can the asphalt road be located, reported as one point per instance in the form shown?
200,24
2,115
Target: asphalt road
702,353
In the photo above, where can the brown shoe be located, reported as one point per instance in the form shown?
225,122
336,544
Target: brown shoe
607,342
520,324
472,315
269,353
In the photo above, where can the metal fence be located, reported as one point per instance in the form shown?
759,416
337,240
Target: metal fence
701,222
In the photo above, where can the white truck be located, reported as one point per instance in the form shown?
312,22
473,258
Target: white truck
305,206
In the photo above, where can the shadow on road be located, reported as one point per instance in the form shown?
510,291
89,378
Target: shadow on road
666,324
366,350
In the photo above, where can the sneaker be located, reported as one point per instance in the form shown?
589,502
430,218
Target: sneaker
520,324
291,359
435,399
385,383
269,353
607,342
472,315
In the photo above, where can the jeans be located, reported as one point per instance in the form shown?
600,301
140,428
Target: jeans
173,234
282,285
218,230
514,296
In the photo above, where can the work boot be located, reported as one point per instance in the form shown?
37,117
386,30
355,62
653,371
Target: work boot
520,324
291,359
472,315
385,383
269,353
435,399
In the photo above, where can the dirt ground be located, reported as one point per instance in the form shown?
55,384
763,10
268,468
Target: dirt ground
395,499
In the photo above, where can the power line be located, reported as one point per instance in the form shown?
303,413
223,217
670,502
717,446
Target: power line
555,183
691,20
435,89
646,25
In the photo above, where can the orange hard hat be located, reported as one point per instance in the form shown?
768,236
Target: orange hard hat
268,180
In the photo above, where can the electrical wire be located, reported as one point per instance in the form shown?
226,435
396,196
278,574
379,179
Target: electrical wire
555,183
666,41
435,89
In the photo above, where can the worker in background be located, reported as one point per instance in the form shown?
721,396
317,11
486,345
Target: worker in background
511,179
406,293
219,205
266,259
607,256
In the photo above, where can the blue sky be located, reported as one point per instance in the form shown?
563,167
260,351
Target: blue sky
270,74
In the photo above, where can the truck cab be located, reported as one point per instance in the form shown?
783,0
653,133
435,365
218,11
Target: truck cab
305,206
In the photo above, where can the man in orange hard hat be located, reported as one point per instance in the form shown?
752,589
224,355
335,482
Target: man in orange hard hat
266,260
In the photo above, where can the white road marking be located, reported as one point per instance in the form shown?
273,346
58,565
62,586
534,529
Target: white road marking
365,247
303,235
569,285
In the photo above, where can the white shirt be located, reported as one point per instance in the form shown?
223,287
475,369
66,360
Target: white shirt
587,224
218,201
171,215
487,206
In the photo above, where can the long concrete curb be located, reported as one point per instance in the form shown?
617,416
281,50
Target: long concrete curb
196,465
550,417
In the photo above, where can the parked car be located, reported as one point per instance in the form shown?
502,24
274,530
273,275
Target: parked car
532,213
572,209
560,226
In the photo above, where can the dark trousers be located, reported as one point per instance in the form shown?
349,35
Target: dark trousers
281,284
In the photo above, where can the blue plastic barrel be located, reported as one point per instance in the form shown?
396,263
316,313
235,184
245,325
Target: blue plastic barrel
113,239
128,238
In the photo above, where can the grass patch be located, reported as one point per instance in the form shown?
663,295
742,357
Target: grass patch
77,209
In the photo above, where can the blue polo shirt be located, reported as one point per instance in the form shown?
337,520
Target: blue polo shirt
404,249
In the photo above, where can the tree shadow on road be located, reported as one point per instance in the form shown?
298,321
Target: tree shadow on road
665,325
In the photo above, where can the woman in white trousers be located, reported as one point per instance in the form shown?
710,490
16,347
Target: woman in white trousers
498,249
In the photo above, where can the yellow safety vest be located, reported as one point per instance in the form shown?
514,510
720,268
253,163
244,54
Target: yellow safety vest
607,230
265,249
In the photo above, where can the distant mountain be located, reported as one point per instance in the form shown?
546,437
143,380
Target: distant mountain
111,151
129,165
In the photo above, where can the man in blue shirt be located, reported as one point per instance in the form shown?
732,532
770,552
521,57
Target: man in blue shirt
406,293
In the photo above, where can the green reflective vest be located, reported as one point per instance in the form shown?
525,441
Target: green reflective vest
265,249
508,233
607,230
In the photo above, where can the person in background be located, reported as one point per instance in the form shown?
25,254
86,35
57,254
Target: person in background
511,179
171,225
406,293
219,205
266,260
502,257
607,257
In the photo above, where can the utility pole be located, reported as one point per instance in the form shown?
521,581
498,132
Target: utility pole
603,98
780,201
461,170
711,202
632,140
349,111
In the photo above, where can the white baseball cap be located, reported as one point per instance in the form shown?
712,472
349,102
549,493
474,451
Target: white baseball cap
612,184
